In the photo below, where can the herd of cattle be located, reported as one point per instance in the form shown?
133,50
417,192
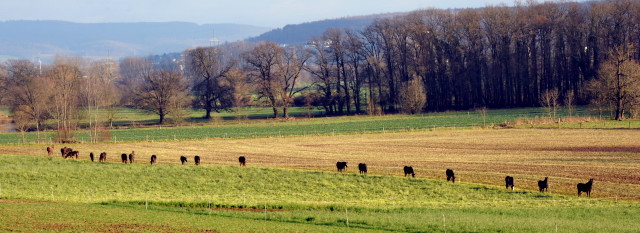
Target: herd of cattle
543,185
70,153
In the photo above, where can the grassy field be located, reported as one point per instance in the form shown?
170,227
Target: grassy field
291,184
330,126
486,156
229,198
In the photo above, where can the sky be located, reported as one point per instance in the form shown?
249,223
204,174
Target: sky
264,13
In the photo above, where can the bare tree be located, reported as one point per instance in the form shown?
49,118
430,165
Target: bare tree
569,102
321,74
262,68
22,118
549,100
412,96
289,71
28,92
100,92
208,69
132,73
237,79
618,81
67,80
162,92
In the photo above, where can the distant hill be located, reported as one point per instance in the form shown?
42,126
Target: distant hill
31,39
301,33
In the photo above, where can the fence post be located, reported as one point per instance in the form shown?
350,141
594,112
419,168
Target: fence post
333,132
383,130
444,223
115,139
265,211
146,201
347,215
52,197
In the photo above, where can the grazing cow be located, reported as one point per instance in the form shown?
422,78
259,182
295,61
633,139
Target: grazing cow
72,154
409,170
132,156
543,184
154,159
50,150
64,151
509,182
91,156
124,158
363,168
582,187
341,166
451,176
183,159
243,161
197,160
103,157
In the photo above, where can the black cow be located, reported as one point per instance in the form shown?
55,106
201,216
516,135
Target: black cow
183,159
64,151
103,157
341,166
363,168
72,154
153,159
451,176
409,170
243,161
509,182
132,156
543,184
91,156
124,158
582,187
197,159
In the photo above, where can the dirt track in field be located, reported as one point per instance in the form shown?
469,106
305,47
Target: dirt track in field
567,157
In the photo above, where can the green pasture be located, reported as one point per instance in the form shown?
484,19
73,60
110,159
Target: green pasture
265,199
320,125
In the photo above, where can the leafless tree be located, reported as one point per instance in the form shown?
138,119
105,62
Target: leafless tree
132,73
412,96
237,79
28,92
549,100
66,75
162,92
618,81
288,75
262,66
22,119
208,69
322,74
569,102
101,93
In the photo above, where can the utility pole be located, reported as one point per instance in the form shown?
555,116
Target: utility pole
214,41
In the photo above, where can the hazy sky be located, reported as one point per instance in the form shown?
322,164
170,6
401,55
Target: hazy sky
268,13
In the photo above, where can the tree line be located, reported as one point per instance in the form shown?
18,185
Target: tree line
532,54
